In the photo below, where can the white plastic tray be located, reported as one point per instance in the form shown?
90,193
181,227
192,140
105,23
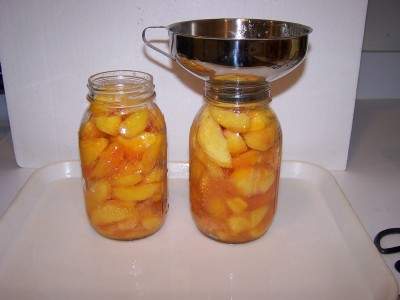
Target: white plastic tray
315,249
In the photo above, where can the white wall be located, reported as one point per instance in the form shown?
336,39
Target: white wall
49,48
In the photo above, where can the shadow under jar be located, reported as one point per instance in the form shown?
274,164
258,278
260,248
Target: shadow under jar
122,143
235,158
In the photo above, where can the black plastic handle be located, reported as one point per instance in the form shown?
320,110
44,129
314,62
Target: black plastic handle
383,233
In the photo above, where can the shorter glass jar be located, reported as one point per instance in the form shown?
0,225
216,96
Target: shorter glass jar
235,157
122,143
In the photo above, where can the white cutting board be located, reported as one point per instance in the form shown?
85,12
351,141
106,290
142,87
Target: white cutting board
49,48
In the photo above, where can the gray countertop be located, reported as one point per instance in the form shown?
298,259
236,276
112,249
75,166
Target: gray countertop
371,181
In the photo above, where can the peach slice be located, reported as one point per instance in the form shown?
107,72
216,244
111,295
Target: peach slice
252,181
151,223
108,124
91,149
126,180
236,144
257,215
109,161
237,205
246,159
213,142
134,123
238,224
139,143
262,139
213,169
111,212
237,122
136,193
89,130
152,154
216,207
97,193
259,120
154,176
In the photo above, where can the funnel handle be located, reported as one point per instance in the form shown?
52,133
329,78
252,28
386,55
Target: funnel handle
149,44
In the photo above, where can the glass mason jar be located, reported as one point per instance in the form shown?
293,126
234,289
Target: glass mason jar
123,151
235,157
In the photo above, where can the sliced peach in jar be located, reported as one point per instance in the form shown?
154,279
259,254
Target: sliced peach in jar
97,193
236,144
108,124
109,161
262,139
252,181
260,119
91,149
216,207
152,154
99,109
136,193
237,205
235,121
257,215
212,168
238,224
156,175
111,212
89,130
139,143
213,142
126,180
134,124
151,223
246,159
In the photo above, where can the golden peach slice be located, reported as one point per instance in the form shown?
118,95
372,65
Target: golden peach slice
237,205
262,139
108,124
134,123
91,149
246,159
213,142
89,130
257,215
97,193
236,144
252,181
152,154
109,161
156,175
126,180
139,143
216,207
237,122
151,223
213,169
111,212
136,193
238,224
259,120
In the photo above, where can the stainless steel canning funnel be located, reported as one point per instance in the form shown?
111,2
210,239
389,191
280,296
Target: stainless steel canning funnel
263,49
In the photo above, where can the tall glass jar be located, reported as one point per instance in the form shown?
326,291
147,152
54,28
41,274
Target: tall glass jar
122,143
235,157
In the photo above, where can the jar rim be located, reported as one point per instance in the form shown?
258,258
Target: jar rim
119,82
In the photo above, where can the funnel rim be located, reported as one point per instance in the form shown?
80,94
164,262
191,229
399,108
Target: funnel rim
306,30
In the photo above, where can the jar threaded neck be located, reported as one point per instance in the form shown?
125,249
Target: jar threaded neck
236,92
134,85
